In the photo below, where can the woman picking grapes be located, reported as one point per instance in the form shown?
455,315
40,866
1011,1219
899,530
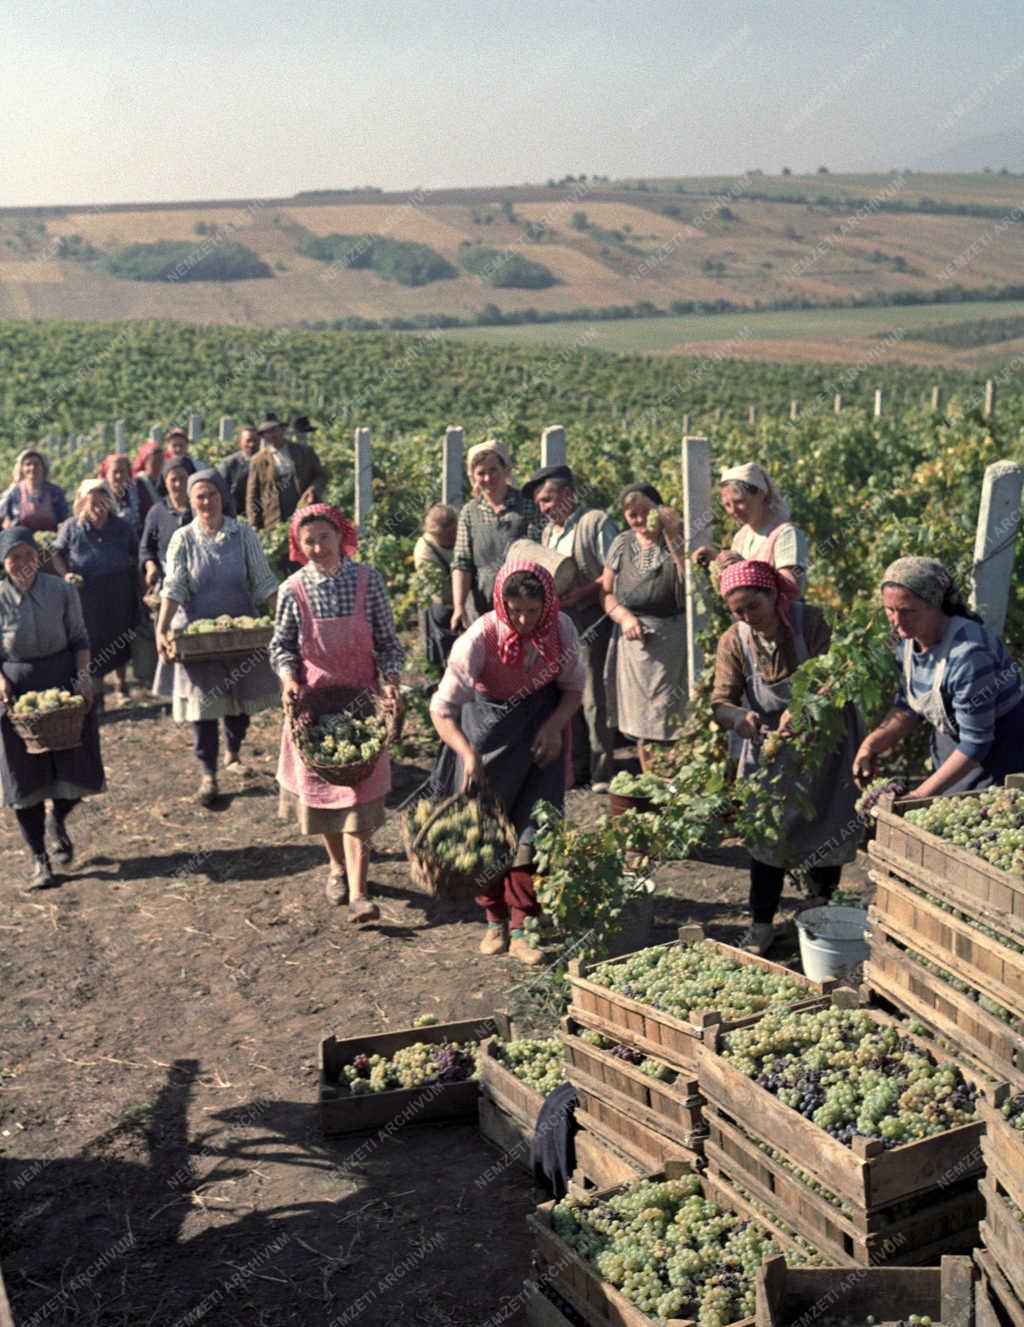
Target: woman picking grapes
757,656
513,682
956,676
766,532
334,628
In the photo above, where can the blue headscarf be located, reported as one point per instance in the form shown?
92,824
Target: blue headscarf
11,538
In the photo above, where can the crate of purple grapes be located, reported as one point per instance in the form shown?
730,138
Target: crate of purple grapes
409,1076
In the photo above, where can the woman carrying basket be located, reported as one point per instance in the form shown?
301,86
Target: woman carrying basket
334,629
43,644
215,565
514,680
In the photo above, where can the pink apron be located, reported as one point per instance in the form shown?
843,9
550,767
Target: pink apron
336,651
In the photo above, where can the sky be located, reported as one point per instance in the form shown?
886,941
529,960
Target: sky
113,101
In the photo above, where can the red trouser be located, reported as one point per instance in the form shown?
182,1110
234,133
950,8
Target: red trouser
511,896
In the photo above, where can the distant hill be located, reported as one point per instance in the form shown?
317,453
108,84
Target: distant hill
681,245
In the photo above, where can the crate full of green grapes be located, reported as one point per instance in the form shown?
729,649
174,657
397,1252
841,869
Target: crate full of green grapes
849,1097
412,1075
941,1296
224,637
967,850
515,1077
665,999
674,1247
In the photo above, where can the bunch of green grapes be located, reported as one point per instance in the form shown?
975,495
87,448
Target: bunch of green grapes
990,824
1013,1112
538,1063
647,1064
686,978
45,702
202,626
342,739
671,1251
974,924
412,1066
467,837
851,1075
869,1320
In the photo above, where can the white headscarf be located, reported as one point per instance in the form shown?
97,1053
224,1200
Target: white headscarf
752,474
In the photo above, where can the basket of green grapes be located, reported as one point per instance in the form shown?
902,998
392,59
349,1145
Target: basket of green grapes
341,732
49,720
209,639
456,843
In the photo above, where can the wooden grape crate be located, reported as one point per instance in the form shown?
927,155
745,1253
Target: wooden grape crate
865,1175
655,1032
1002,1147
596,1300
675,1106
939,867
508,1106
982,1039
954,944
933,1225
626,1126
1003,1234
341,1112
599,1165
542,1311
996,1305
789,1295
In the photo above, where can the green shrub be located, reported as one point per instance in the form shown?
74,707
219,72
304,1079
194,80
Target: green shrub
395,260
506,269
178,260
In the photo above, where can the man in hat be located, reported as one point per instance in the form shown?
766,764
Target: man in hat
302,428
282,476
585,534
235,468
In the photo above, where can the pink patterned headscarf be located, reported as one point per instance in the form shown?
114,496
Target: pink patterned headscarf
759,576
324,510
544,637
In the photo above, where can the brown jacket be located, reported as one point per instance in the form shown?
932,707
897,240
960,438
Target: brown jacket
262,492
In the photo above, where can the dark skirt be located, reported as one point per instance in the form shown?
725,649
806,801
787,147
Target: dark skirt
29,779
112,609
438,637
1006,755
502,731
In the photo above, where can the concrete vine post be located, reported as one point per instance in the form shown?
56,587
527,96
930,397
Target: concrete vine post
995,542
697,518
452,462
552,446
363,477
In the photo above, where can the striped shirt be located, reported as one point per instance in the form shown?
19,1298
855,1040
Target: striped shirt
334,596
979,684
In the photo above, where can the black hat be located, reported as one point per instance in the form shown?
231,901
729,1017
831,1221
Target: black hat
540,477
301,424
269,421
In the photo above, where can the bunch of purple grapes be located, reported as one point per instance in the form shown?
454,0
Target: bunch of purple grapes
361,1064
452,1066
628,1054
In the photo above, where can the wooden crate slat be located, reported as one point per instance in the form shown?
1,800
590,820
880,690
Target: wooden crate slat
510,1135
786,1295
1003,1235
1002,1146
507,1091
875,1179
651,1150
898,977
599,1165
1000,1289
967,953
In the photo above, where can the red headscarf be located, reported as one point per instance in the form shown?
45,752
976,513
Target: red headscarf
759,576
325,512
107,464
143,454
544,637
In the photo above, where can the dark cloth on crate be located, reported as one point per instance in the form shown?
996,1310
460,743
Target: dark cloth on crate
483,538
107,561
553,1151
162,521
39,635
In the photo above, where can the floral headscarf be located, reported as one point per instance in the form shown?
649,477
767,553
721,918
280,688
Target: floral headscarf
544,637
759,576
325,512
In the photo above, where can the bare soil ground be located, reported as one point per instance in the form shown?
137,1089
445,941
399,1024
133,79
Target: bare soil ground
159,1144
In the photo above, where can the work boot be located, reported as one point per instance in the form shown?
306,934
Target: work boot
519,947
208,790
64,852
41,876
760,938
363,910
336,888
495,940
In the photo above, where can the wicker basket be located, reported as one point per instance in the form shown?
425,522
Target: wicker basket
211,646
434,877
56,730
333,700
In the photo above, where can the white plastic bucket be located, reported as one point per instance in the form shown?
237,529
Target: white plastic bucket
832,941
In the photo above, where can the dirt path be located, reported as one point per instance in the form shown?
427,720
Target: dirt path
159,1146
